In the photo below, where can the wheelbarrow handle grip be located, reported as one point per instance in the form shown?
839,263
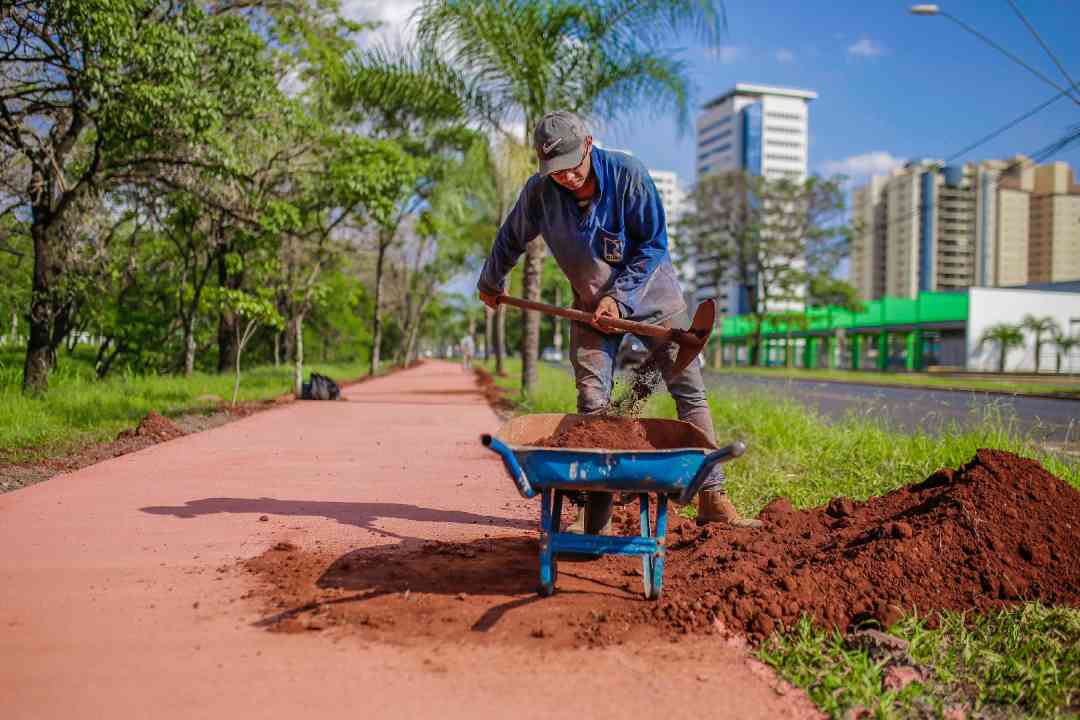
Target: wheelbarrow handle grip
512,466
724,454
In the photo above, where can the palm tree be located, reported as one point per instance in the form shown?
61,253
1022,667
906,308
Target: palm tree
524,58
1065,344
1006,337
1040,325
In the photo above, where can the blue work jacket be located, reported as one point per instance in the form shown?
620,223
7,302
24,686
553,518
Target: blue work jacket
618,246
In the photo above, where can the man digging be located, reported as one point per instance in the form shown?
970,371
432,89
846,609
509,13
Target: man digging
601,216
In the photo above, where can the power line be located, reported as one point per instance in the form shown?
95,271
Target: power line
1008,126
1045,47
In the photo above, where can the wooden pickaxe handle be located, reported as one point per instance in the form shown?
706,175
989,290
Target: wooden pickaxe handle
638,328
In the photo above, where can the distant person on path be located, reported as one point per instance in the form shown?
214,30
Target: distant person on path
601,216
468,349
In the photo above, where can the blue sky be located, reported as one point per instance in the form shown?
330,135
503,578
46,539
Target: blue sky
891,86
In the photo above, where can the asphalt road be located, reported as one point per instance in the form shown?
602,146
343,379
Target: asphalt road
1053,422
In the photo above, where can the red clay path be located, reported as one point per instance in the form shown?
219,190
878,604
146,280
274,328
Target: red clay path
125,593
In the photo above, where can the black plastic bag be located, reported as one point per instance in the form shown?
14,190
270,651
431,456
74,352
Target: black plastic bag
320,388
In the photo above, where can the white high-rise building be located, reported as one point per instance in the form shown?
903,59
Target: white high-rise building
763,130
674,199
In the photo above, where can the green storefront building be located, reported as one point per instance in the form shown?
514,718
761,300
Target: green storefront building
889,334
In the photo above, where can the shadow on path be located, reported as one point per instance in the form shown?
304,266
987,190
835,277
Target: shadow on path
478,582
360,514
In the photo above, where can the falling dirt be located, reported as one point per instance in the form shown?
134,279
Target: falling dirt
601,432
998,531
630,397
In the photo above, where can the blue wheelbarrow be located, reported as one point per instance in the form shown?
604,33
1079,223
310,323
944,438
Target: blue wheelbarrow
675,472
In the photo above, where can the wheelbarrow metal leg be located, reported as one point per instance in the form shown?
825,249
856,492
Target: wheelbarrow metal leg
646,560
661,534
549,524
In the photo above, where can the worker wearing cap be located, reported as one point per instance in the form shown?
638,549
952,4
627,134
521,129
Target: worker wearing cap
601,216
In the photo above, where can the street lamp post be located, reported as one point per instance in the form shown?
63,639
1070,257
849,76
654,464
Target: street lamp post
931,9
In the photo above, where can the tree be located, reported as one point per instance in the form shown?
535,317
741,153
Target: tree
777,241
528,57
1038,326
92,93
1064,344
1006,337
254,310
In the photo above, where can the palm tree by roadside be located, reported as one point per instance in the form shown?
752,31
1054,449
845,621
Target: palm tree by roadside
1039,326
1065,344
524,58
1006,337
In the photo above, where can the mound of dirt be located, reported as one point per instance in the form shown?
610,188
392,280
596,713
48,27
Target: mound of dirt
155,427
601,432
999,530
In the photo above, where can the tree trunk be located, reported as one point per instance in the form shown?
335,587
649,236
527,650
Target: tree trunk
556,335
530,339
228,322
1001,357
14,327
189,350
414,333
277,349
500,340
376,329
1038,350
489,331
298,364
40,356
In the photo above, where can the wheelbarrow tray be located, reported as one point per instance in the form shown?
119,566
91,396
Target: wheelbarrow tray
678,468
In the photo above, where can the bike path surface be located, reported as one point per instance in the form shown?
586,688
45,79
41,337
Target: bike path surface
119,599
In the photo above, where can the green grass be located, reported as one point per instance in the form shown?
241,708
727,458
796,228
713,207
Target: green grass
1023,662
1003,384
79,409
1029,657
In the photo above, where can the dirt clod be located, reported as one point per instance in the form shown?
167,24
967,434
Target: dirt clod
154,426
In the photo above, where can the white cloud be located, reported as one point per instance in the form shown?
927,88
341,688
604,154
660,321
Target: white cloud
876,162
785,56
393,14
726,54
865,47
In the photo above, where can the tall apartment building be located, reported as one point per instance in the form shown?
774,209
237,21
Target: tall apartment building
868,257
995,223
757,128
1054,245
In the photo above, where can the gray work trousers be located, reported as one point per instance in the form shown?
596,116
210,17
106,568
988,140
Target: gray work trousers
592,354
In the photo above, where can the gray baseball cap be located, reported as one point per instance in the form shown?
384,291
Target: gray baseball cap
559,140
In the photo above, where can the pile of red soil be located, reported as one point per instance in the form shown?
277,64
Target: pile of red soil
601,432
997,531
154,427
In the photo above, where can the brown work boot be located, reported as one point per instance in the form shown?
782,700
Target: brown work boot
716,506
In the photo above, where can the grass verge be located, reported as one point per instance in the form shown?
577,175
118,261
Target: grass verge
920,380
1022,662
1026,659
79,410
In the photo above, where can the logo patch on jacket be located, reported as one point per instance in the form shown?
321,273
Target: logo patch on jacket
613,248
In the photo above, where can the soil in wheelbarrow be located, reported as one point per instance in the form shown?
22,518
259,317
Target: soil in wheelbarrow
994,532
602,432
